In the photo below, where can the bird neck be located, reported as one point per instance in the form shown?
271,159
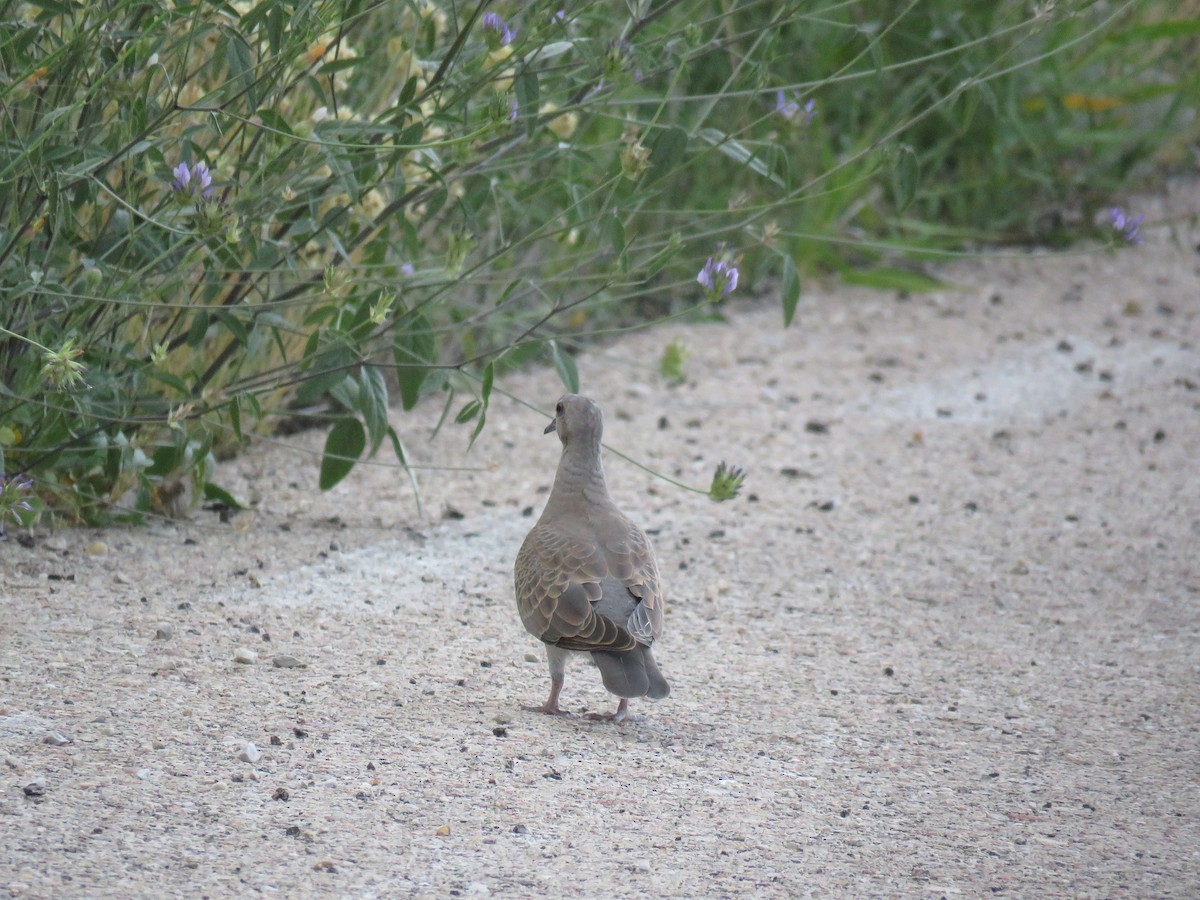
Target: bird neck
580,474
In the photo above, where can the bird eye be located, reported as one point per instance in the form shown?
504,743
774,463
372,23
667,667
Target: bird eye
558,408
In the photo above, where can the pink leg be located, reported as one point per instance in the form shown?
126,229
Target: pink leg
551,704
619,716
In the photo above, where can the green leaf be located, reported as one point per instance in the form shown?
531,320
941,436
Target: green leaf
324,371
564,363
273,121
905,176
526,88
469,411
666,152
520,355
790,290
199,329
484,396
337,65
889,279
235,418
216,494
167,459
739,153
373,404
346,441
346,392
507,292
240,60
415,351
402,456
489,376
407,93
170,379
555,48
234,326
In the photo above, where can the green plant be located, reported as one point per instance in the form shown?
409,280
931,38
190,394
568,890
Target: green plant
215,216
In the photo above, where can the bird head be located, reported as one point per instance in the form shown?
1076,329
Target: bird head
576,419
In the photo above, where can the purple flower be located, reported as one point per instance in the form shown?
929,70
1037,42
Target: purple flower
407,270
790,109
718,278
559,17
12,499
198,173
496,31
513,109
1128,228
183,177
203,179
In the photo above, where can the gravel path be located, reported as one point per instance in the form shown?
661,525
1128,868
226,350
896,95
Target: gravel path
947,642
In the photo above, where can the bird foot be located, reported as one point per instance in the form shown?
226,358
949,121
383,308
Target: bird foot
621,714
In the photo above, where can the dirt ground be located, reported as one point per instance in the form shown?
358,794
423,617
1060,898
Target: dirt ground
946,643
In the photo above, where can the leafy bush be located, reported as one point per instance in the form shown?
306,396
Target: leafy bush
214,216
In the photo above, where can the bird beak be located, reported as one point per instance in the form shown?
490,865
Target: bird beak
553,425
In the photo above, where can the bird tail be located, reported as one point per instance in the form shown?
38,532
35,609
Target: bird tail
631,674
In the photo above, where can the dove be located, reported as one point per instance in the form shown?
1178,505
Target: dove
586,579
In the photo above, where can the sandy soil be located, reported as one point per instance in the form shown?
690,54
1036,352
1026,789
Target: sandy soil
946,643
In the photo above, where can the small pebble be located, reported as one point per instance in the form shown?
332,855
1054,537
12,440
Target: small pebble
286,661
97,548
54,739
443,831
249,753
35,788
164,632
244,656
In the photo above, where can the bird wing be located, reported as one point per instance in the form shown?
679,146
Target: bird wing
630,558
568,596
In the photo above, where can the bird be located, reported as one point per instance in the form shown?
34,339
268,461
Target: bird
586,579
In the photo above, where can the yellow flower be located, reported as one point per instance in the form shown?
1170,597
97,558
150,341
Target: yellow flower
563,126
1090,104
372,204
316,51
427,12
502,81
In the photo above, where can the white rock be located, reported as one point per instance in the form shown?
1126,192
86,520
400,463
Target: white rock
244,656
249,753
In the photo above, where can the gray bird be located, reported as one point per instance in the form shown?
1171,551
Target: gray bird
586,579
